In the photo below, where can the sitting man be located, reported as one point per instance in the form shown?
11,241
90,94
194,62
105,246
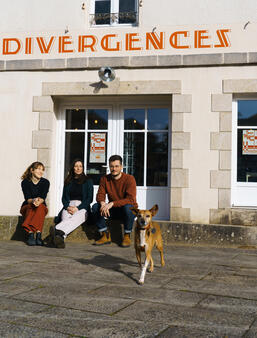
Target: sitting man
121,191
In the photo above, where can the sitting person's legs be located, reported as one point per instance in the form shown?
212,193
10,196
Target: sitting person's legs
33,222
101,225
123,213
68,224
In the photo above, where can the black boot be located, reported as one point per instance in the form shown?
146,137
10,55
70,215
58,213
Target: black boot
59,239
39,239
31,240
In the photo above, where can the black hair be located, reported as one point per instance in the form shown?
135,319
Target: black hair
71,175
115,158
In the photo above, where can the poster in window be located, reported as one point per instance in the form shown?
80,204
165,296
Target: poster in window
249,146
97,148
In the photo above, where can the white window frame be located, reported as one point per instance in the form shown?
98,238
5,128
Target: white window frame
114,8
238,189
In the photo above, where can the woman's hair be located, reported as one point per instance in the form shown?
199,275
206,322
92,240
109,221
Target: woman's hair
28,174
71,175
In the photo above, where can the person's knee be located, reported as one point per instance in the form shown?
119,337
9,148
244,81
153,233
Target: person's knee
41,206
95,208
126,209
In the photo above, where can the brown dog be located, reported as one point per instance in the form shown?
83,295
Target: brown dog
147,234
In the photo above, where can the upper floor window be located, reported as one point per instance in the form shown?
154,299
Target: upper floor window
113,12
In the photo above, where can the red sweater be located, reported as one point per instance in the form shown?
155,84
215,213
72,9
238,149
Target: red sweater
120,192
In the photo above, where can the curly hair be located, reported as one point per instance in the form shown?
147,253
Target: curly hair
28,174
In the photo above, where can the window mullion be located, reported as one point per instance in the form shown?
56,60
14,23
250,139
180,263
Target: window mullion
115,11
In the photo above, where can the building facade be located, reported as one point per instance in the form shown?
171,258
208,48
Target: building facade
181,111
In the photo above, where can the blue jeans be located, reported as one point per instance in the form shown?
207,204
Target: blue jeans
123,213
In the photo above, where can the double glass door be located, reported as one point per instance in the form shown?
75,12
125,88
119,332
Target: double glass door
139,134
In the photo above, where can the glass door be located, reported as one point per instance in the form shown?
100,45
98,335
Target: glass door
140,135
244,153
146,155
86,137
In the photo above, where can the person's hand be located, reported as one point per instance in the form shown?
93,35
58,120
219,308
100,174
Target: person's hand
72,210
105,209
36,201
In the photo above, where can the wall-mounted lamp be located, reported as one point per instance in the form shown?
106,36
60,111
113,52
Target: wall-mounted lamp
106,74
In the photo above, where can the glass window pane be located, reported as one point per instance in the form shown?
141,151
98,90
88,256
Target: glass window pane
127,11
74,148
158,119
75,118
127,6
133,156
97,119
246,157
157,159
134,119
102,12
96,160
247,112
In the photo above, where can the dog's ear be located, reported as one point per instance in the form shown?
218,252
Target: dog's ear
154,210
134,210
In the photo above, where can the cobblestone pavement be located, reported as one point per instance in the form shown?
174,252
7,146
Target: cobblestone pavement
88,291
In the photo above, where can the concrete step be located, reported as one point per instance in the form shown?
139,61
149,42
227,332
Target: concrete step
173,232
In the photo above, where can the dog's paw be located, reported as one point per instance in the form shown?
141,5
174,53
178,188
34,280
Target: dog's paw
140,282
149,270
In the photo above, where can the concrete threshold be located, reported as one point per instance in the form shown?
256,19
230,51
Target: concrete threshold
173,232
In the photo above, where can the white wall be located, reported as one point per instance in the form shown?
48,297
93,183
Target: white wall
51,15
18,121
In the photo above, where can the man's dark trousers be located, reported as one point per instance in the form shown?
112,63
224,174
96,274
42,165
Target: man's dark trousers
123,213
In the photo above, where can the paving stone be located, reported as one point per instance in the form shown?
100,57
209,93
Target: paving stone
89,324
90,291
141,293
182,332
76,298
178,315
8,330
214,288
230,305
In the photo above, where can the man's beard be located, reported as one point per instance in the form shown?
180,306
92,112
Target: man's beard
114,175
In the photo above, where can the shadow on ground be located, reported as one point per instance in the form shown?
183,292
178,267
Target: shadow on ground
19,233
109,262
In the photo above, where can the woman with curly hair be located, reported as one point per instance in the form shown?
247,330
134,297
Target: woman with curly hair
33,209
76,198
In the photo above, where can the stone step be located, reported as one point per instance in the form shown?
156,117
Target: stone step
173,232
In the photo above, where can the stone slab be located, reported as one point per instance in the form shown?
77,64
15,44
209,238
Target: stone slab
240,86
116,61
202,59
36,64
201,291
77,63
54,64
235,58
177,315
199,332
182,103
143,61
169,60
8,330
89,324
229,305
221,231
43,104
112,88
221,102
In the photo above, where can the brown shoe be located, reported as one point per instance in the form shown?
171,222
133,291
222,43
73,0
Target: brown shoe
105,239
126,241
